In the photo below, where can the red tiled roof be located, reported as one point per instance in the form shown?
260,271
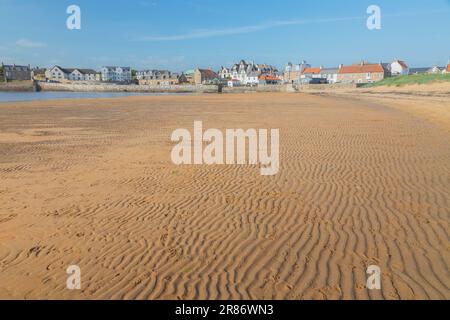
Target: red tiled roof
362,68
268,77
207,73
311,70
403,64
448,68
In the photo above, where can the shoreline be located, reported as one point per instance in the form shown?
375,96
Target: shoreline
438,89
19,97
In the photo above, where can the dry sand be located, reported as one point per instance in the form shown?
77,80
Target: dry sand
362,181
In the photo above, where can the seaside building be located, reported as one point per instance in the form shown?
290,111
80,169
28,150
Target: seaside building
15,72
252,78
144,74
225,73
59,74
116,74
399,67
38,74
159,77
362,73
436,69
292,72
84,75
205,76
247,73
308,74
190,76
233,83
267,79
330,74
264,68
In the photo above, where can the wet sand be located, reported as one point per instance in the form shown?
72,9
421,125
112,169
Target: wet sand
362,181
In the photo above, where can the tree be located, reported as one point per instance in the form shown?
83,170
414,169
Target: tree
2,75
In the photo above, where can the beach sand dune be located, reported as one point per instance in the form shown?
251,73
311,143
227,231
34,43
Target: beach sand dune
91,183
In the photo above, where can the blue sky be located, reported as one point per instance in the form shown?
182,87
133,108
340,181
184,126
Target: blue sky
183,34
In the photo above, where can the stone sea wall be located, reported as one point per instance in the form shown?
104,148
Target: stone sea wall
334,86
267,88
17,86
106,87
109,87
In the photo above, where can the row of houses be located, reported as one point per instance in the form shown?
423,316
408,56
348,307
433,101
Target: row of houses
362,72
358,73
248,73
106,74
251,74
60,74
243,73
14,72
240,74
160,78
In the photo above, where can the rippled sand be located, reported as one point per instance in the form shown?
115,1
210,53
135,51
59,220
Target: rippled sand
90,182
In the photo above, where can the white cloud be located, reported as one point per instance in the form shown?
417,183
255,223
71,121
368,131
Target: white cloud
196,34
30,44
209,33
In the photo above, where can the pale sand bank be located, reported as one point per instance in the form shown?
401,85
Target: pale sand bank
362,181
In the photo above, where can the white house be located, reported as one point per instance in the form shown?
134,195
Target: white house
309,73
224,73
116,74
435,69
399,67
83,75
252,78
292,72
58,73
247,73
241,70
331,74
233,83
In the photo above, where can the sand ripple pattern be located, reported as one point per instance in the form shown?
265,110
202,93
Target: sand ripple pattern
360,183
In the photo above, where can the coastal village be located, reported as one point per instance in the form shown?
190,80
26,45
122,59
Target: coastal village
245,73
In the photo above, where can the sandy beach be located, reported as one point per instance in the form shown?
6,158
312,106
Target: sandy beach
363,180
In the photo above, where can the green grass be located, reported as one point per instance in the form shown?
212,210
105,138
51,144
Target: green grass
399,81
